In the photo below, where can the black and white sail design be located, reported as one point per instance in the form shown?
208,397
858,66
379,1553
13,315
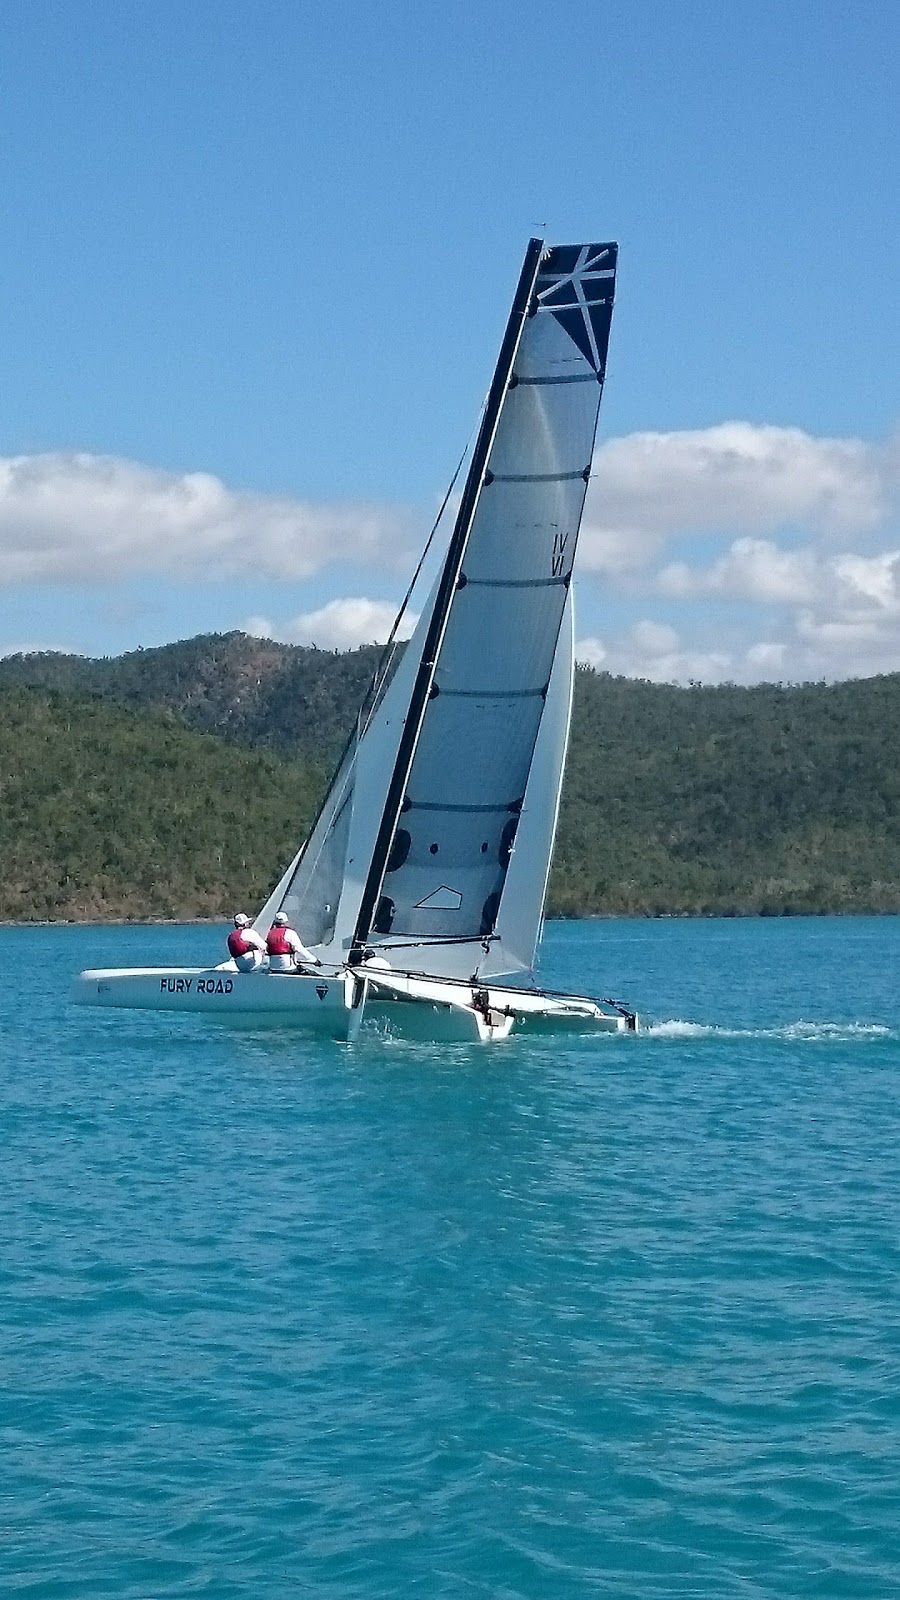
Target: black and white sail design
466,789
445,827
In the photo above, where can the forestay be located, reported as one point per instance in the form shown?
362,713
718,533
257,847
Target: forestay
310,889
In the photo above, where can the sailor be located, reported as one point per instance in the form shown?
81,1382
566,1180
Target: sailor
245,945
286,952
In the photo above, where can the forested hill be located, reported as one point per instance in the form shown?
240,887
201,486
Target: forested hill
285,698
692,800
111,813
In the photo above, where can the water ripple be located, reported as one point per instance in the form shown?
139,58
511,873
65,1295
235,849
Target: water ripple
594,1316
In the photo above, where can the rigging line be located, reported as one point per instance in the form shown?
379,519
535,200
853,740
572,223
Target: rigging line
370,698
383,661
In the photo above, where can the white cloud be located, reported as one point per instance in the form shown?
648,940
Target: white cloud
654,650
737,478
757,569
591,652
79,517
766,660
339,625
840,614
76,517
871,579
753,569
831,593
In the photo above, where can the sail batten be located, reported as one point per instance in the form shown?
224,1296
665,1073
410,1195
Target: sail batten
374,912
538,477
494,694
517,583
485,805
462,810
557,378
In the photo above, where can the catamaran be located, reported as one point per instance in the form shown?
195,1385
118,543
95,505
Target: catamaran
420,888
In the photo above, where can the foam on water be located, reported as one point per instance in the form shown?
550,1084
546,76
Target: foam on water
675,1028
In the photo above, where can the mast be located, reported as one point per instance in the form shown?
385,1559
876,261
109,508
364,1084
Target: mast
447,587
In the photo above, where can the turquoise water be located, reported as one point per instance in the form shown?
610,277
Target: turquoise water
608,1316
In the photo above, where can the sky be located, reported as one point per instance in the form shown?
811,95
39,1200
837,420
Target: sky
257,259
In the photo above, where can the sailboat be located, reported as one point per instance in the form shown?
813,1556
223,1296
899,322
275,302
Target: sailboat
420,887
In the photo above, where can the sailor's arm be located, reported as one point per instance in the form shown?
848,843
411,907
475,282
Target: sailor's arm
300,951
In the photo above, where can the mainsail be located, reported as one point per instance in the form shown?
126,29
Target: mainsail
463,794
442,821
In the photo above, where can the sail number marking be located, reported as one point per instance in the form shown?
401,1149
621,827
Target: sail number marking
558,558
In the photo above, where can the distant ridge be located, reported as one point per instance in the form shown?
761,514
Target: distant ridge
706,800
287,698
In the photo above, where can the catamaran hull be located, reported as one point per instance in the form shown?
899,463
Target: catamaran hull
316,1002
334,1005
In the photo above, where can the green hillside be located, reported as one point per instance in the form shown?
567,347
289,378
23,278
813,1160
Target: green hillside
729,800
291,699
108,813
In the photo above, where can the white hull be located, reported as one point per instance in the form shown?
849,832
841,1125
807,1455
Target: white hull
334,1002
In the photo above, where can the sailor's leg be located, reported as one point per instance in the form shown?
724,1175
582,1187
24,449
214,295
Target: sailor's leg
251,962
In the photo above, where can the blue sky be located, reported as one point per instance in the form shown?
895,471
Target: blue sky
257,260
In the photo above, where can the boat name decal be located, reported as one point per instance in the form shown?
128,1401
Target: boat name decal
204,985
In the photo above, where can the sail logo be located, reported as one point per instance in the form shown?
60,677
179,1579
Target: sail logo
577,283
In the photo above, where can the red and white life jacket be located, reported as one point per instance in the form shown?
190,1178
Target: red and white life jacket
278,943
239,944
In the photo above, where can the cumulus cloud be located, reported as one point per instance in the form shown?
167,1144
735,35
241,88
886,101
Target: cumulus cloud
78,517
70,517
831,617
656,651
591,652
736,478
766,660
752,569
339,625
757,569
804,528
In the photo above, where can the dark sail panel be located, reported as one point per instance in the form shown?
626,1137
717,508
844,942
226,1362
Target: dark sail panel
471,764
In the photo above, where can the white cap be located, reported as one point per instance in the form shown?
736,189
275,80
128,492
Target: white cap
281,918
241,921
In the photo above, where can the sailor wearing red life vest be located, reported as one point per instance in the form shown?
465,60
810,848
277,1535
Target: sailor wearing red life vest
286,952
245,945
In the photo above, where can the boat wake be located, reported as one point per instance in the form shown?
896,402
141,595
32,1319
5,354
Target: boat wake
813,1032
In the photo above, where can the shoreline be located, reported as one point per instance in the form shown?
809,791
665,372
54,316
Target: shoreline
587,916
